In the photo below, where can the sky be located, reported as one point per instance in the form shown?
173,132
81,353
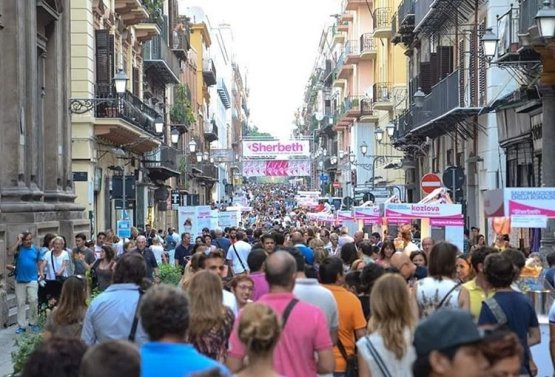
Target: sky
276,42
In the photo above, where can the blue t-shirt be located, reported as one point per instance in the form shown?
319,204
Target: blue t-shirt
26,264
174,360
222,243
520,317
550,276
307,253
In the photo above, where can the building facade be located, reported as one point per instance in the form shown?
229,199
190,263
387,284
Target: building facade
36,181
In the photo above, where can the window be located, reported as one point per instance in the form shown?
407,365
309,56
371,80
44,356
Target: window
449,158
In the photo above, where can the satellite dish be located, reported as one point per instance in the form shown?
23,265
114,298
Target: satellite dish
319,116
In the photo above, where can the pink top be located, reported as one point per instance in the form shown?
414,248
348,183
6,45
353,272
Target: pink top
260,285
305,333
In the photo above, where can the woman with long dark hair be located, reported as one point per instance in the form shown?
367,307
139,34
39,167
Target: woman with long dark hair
103,269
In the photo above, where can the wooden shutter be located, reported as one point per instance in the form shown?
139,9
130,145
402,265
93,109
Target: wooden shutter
482,76
445,54
434,69
462,71
104,61
425,81
136,81
472,69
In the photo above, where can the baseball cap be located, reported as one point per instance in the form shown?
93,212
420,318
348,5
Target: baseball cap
445,328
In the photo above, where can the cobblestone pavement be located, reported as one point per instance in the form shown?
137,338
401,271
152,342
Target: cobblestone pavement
7,337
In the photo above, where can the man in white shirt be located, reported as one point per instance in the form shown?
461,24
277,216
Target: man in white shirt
238,253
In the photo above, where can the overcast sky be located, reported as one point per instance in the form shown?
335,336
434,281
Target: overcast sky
276,42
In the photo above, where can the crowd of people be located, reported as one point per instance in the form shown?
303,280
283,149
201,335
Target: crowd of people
279,296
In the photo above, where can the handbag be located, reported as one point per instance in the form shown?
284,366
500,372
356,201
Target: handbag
352,361
60,279
377,358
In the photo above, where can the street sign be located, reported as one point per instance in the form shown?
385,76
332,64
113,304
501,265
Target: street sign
176,199
336,185
324,178
453,177
430,182
124,228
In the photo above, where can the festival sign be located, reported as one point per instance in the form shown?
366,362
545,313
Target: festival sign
261,148
343,216
536,201
370,215
410,211
276,168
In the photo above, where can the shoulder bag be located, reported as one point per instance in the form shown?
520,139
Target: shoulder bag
287,312
135,323
377,358
352,361
60,279
245,270
447,295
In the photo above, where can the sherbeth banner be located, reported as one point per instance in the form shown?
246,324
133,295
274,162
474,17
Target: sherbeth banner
261,148
276,168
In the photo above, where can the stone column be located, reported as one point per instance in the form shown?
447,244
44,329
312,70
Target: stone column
548,156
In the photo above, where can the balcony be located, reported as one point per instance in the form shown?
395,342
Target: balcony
210,131
160,62
162,163
125,120
382,23
354,4
443,109
209,72
352,52
429,15
145,31
346,17
132,12
382,96
338,37
343,27
224,93
405,17
181,40
208,172
368,47
344,70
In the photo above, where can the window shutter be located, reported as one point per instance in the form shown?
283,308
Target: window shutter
445,61
104,61
426,77
472,69
462,71
434,69
482,78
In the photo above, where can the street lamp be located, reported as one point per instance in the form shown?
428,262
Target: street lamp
205,156
545,19
390,129
341,155
175,136
352,158
192,146
419,98
159,124
378,133
199,157
489,43
120,81
333,160
364,148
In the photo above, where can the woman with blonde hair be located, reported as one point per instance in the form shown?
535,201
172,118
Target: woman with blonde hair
66,320
210,321
259,329
388,350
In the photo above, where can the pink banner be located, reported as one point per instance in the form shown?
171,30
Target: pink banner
447,222
276,168
520,209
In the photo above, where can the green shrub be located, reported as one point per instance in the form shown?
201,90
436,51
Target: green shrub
25,344
170,274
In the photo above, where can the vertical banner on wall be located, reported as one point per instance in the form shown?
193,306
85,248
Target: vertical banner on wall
187,214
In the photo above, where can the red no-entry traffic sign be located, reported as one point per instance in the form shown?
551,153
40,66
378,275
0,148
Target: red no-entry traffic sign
430,182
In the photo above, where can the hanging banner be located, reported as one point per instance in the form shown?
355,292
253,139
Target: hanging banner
528,201
276,168
262,148
417,211
369,215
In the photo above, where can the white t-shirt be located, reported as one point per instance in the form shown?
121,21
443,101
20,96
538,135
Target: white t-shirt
58,264
397,368
311,291
430,292
243,250
230,301
157,250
